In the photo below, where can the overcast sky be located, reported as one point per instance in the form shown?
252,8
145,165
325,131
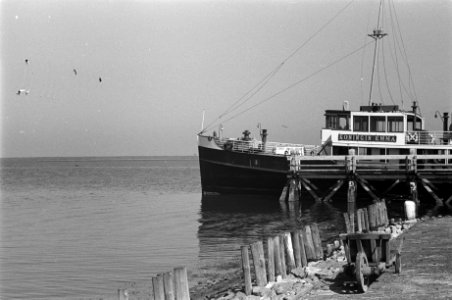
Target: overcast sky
126,78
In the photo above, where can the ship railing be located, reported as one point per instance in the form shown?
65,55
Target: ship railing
429,137
270,148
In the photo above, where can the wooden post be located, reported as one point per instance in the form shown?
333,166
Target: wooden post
123,294
296,248
373,216
304,259
413,191
277,256
366,219
351,203
374,250
289,251
317,241
333,190
293,190
385,213
359,219
270,260
378,215
438,200
308,186
246,269
283,196
348,227
257,251
157,286
168,284
412,173
181,284
352,187
308,243
283,256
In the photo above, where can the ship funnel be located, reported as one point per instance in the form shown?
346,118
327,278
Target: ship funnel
264,139
445,121
414,107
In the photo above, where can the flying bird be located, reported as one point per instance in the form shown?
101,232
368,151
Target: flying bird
75,71
22,91
100,79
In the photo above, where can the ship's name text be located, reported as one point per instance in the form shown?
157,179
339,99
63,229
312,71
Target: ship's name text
367,138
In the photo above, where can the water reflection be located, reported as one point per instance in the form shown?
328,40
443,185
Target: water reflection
228,222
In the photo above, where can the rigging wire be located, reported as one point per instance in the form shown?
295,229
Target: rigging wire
250,93
394,57
405,56
262,83
363,55
388,87
299,81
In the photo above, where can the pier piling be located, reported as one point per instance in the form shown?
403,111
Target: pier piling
158,287
246,269
257,251
123,294
181,284
270,259
168,284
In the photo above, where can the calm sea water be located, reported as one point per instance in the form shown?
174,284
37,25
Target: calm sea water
83,227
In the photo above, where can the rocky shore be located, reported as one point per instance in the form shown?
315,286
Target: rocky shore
303,281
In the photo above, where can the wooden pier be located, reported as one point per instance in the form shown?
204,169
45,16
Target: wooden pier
377,175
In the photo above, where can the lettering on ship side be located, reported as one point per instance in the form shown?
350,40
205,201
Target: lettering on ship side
367,138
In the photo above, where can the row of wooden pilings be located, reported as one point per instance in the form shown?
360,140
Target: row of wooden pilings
171,285
283,254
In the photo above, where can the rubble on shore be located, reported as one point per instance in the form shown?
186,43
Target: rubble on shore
302,280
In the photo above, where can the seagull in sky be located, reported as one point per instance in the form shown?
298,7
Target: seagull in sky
22,91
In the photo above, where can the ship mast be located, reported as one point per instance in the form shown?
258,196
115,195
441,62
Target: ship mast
376,35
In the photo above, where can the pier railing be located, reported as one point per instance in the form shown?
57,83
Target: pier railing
377,166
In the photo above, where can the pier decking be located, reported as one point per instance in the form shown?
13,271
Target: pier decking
378,175
426,268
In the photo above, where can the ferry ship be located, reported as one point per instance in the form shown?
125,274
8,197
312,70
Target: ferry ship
248,165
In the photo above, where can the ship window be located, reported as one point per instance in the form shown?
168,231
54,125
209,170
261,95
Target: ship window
377,124
337,122
413,123
395,124
331,122
361,123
